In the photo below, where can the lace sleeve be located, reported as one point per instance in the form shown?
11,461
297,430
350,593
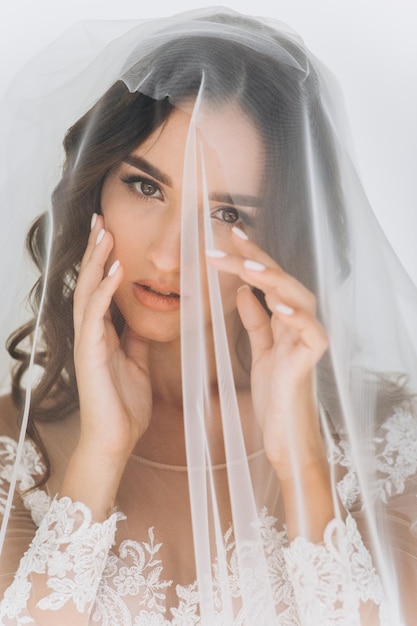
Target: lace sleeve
62,567
333,579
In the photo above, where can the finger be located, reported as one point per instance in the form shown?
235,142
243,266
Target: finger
266,278
255,320
249,249
91,274
95,310
311,333
97,224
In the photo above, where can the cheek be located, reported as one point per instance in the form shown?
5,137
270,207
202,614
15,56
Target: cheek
128,236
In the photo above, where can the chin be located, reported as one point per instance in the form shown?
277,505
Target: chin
154,330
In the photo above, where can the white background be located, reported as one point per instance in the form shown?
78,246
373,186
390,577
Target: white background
371,46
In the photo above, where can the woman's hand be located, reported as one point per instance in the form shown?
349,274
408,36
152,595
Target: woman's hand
112,379
285,349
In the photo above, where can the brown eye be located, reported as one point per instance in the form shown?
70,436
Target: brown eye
147,188
229,215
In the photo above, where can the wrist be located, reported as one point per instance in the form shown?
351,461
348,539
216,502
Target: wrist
107,435
93,478
308,500
297,456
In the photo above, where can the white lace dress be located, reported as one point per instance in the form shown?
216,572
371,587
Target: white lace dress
120,573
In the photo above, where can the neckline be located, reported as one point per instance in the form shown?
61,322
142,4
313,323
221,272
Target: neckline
185,468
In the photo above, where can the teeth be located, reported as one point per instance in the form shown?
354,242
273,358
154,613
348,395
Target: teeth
161,293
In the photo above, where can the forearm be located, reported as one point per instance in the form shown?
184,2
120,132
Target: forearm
299,457
59,576
93,477
324,539
308,501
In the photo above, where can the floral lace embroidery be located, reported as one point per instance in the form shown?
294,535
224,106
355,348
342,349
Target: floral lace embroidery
72,551
310,583
31,467
277,581
395,458
331,579
398,459
141,578
348,486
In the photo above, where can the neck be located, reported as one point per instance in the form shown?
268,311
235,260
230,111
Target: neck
164,440
165,363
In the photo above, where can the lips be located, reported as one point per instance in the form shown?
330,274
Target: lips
157,295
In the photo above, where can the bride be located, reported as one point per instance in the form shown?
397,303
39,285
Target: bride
216,383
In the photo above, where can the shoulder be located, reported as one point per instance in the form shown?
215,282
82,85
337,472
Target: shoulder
53,433
10,431
58,439
393,445
9,417
31,461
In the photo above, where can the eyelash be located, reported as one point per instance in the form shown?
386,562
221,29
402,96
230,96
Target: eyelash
242,218
230,210
132,181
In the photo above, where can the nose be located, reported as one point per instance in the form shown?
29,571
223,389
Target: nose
164,251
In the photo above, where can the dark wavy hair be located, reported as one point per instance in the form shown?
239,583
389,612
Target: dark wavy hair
274,95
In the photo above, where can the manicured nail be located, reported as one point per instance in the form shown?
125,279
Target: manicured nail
93,220
113,268
216,254
100,236
240,233
242,287
254,265
284,309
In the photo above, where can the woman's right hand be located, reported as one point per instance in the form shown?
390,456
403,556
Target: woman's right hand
112,378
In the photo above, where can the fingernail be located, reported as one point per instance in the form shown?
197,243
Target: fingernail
113,268
93,220
100,236
242,287
240,233
284,309
216,254
254,265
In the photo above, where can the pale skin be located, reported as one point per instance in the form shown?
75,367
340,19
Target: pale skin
122,382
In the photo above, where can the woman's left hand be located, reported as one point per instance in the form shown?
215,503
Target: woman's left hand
286,347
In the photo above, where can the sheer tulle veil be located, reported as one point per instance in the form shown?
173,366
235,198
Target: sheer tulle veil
313,218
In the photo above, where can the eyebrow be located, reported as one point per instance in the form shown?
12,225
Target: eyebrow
233,199
145,166
236,199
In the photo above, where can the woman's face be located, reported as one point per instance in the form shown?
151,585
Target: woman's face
144,200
